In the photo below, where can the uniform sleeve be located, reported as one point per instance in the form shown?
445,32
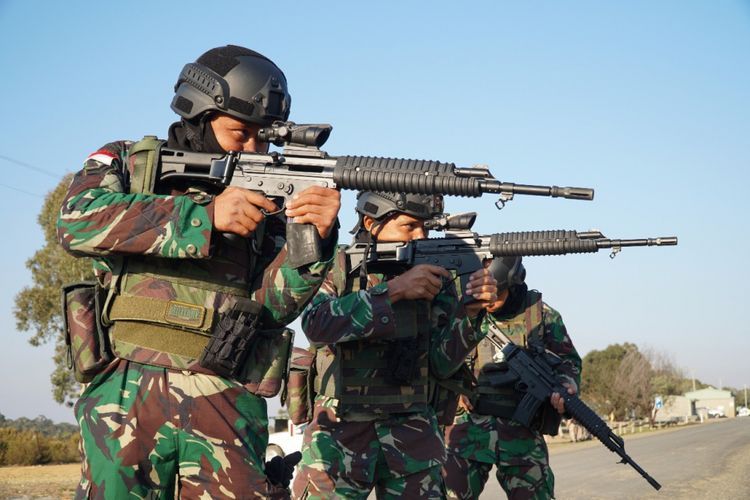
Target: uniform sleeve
99,217
366,314
557,340
453,336
285,291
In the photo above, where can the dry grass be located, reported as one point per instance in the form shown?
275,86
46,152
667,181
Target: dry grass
39,481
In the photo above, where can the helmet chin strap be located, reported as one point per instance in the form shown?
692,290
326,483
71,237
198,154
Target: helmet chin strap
371,240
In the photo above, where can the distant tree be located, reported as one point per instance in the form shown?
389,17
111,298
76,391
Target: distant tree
37,307
634,395
598,378
618,381
739,396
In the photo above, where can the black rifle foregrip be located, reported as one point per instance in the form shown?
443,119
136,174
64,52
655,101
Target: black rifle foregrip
590,421
370,173
530,243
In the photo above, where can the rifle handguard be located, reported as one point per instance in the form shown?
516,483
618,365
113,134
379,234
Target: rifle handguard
591,421
531,243
370,173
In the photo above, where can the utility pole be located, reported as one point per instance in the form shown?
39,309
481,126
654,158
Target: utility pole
745,395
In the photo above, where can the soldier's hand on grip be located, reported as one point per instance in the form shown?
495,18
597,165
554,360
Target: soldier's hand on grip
318,206
423,281
557,401
482,288
238,211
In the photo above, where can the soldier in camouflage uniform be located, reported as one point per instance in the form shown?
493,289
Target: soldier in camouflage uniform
482,434
381,339
184,263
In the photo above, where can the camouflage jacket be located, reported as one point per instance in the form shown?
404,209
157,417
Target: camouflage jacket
554,337
335,317
100,218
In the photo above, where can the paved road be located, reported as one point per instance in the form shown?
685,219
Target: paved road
710,461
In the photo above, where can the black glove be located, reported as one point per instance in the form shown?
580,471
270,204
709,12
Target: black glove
279,470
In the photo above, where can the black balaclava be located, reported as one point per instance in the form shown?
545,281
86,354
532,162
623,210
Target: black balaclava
515,301
194,135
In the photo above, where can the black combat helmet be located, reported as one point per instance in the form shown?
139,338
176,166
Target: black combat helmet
508,271
233,80
379,205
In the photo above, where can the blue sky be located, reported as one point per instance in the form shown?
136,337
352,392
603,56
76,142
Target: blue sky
647,102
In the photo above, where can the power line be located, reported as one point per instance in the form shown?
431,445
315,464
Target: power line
31,167
21,191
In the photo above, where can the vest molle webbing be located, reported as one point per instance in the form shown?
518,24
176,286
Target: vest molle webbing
357,373
163,311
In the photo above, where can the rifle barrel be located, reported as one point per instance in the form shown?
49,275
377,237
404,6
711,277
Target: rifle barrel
639,242
571,193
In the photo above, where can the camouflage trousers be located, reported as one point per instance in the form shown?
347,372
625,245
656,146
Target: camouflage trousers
146,430
477,442
399,456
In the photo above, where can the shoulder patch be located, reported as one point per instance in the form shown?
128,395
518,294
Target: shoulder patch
103,156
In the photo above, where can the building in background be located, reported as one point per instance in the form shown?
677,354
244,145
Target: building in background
703,404
710,402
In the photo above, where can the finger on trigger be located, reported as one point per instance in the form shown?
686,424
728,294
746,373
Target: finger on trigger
253,213
260,200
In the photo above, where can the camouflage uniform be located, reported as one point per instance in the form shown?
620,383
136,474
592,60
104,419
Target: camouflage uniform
155,412
477,442
352,445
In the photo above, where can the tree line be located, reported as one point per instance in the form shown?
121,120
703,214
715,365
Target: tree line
37,441
622,381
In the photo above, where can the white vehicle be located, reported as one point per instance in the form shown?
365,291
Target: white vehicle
743,411
716,413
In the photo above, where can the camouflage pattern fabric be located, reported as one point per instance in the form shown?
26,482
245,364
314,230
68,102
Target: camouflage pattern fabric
400,457
554,336
335,316
347,453
129,446
476,442
87,349
99,218
147,429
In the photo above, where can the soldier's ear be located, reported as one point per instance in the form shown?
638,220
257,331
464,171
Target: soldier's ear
367,222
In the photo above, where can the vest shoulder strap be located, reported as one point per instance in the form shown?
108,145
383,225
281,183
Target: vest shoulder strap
143,158
340,272
534,312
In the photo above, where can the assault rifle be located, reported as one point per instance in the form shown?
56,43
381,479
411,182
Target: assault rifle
302,164
534,373
464,252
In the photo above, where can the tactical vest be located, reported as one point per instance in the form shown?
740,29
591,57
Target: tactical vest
528,323
163,311
356,373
